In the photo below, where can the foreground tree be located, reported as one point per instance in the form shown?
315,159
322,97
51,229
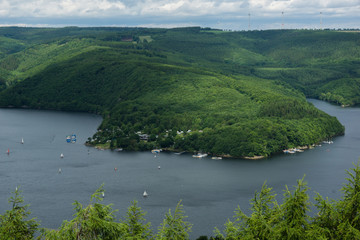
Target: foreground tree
269,220
259,225
341,219
96,221
349,206
293,219
334,219
13,224
174,226
135,227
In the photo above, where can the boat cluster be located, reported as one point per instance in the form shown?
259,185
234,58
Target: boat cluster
201,155
71,138
301,149
293,150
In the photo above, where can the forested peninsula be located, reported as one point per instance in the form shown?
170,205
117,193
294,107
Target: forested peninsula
239,94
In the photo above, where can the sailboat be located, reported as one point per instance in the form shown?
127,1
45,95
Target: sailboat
62,155
103,194
8,151
145,194
22,141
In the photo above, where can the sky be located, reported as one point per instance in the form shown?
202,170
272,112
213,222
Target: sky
220,14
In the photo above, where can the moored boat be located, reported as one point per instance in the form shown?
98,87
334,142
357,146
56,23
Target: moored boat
200,155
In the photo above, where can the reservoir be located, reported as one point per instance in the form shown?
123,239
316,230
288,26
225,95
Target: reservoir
210,189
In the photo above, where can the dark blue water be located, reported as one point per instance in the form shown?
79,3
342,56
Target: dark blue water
210,190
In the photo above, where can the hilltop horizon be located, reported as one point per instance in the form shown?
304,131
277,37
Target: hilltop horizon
219,14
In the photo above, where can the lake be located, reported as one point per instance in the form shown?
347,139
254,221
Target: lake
210,190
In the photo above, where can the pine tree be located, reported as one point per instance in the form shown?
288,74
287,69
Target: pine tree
257,226
96,221
174,227
135,228
293,221
13,224
348,208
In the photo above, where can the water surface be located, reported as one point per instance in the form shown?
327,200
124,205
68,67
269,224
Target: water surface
210,190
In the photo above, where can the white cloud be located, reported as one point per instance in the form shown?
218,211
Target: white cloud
177,11
63,8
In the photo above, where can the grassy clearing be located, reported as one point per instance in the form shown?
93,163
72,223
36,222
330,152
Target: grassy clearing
148,39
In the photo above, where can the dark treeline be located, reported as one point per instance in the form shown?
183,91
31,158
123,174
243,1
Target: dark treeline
334,219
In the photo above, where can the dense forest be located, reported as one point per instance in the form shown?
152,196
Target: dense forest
334,219
240,94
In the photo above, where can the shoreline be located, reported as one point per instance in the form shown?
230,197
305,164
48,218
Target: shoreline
100,147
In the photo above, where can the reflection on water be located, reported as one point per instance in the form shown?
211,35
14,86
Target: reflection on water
209,189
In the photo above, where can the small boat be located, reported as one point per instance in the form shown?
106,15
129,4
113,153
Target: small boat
156,150
73,138
179,153
200,155
217,158
145,194
292,150
62,155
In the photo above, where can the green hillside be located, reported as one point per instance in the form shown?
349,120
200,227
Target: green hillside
187,89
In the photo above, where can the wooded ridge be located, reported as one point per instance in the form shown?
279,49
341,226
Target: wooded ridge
187,89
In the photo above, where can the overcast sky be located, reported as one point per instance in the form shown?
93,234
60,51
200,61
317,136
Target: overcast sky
223,14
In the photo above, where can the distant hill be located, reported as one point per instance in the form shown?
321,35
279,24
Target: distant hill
240,94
